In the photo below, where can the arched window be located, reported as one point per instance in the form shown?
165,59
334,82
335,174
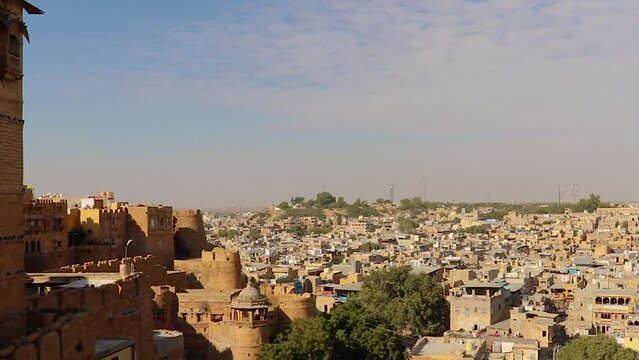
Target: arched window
14,46
613,301
621,301
606,301
598,300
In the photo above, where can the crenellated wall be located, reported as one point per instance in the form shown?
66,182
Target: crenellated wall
120,309
288,304
154,273
68,337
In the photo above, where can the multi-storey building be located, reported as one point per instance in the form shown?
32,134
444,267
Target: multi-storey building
477,305
151,227
46,243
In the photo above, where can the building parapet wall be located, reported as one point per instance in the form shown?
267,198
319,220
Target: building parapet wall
89,298
149,265
120,309
69,337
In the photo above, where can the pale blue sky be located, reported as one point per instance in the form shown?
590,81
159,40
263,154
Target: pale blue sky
220,103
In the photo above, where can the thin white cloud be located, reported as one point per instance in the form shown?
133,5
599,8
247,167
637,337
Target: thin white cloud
521,93
440,66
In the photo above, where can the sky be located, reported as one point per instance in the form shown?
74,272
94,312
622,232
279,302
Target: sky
225,103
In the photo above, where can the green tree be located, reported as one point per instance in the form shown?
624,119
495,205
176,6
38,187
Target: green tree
360,208
254,234
307,339
337,259
405,204
340,203
407,225
369,246
348,333
495,214
475,229
324,199
413,302
296,230
362,335
296,213
590,205
599,347
227,233
324,229
283,205
297,201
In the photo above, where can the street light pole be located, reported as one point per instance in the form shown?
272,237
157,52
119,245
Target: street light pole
126,247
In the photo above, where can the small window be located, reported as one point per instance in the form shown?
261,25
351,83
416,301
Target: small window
14,47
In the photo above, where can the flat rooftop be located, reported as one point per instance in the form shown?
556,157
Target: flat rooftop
434,349
108,346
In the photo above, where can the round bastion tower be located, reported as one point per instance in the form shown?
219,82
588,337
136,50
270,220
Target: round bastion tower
190,238
251,323
221,270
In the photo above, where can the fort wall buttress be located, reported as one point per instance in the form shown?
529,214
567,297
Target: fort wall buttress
190,236
221,270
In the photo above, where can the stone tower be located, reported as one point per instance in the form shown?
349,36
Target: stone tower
190,238
221,270
252,325
12,277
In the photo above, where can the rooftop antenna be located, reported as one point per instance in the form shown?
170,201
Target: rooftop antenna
559,194
392,194
572,191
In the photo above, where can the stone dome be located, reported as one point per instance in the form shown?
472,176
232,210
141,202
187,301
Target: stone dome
250,297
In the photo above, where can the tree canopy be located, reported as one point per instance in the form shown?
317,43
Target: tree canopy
297,201
347,333
413,302
324,199
590,205
599,347
283,205
416,203
475,229
360,208
407,225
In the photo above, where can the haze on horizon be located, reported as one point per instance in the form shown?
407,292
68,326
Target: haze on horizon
214,104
